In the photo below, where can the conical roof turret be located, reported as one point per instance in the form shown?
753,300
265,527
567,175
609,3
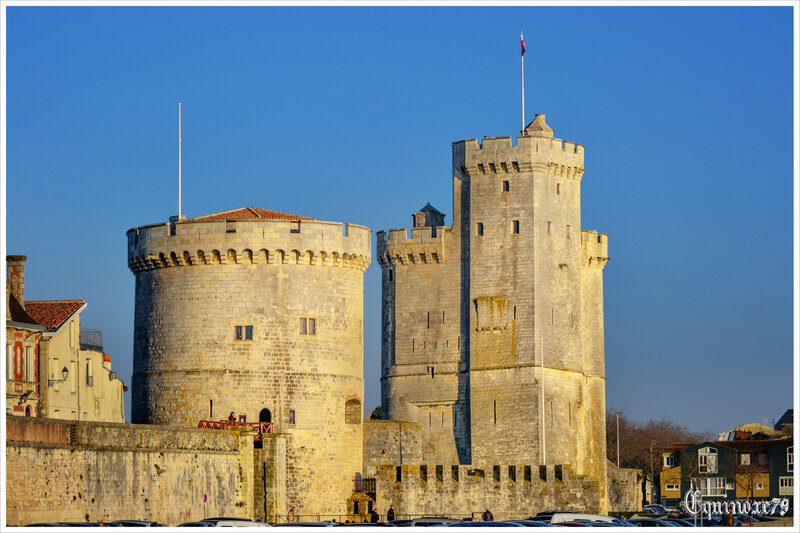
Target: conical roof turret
539,128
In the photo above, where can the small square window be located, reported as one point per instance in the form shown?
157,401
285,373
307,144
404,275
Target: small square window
308,326
243,333
506,186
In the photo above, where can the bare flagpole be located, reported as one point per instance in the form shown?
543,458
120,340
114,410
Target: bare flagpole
179,160
522,66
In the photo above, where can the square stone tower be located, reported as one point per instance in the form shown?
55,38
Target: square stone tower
493,328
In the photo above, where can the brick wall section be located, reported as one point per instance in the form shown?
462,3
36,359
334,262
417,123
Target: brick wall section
118,471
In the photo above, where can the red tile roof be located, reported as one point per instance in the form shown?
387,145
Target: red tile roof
249,213
53,313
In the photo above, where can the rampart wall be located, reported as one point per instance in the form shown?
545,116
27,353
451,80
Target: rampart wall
508,491
58,470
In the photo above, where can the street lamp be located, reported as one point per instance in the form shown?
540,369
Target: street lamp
64,374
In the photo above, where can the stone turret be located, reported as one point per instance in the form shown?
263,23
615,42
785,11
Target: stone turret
257,312
497,351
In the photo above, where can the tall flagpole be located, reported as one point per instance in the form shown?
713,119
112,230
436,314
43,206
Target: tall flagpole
179,160
522,66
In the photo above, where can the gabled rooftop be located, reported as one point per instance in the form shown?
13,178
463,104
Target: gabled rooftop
17,313
245,213
52,314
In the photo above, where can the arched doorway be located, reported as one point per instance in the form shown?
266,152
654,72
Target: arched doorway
28,410
265,416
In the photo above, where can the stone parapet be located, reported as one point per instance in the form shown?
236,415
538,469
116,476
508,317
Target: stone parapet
210,242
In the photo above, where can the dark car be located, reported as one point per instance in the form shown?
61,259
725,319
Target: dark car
135,523
195,524
486,524
532,523
651,522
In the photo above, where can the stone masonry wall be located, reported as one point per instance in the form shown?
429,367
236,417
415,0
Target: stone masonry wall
88,471
299,286
506,490
390,442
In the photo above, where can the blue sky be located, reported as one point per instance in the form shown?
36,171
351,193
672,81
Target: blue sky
347,114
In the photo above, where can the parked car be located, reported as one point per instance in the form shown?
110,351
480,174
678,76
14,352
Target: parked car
431,521
532,523
306,524
485,524
195,524
657,509
553,517
651,522
135,523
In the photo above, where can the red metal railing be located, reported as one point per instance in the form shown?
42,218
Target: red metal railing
259,427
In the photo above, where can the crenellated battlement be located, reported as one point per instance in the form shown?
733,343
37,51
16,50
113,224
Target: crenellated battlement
426,245
538,150
229,242
595,248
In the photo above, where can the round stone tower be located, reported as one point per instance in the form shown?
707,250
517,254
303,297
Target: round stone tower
260,313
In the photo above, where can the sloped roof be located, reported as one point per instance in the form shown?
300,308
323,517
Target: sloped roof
17,313
678,446
53,313
753,445
249,213
428,208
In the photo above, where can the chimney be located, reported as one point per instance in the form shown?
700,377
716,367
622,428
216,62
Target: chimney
15,274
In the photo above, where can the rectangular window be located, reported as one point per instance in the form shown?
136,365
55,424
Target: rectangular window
29,374
291,417
790,459
89,373
671,486
9,361
73,371
786,486
516,226
480,228
713,486
423,473
506,186
308,326
398,475
569,233
745,459
669,461
558,188
512,473
549,227
759,486
429,320
707,461
496,472
439,473
495,411
243,333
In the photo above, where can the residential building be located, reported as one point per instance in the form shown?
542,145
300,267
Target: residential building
23,334
63,377
745,469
